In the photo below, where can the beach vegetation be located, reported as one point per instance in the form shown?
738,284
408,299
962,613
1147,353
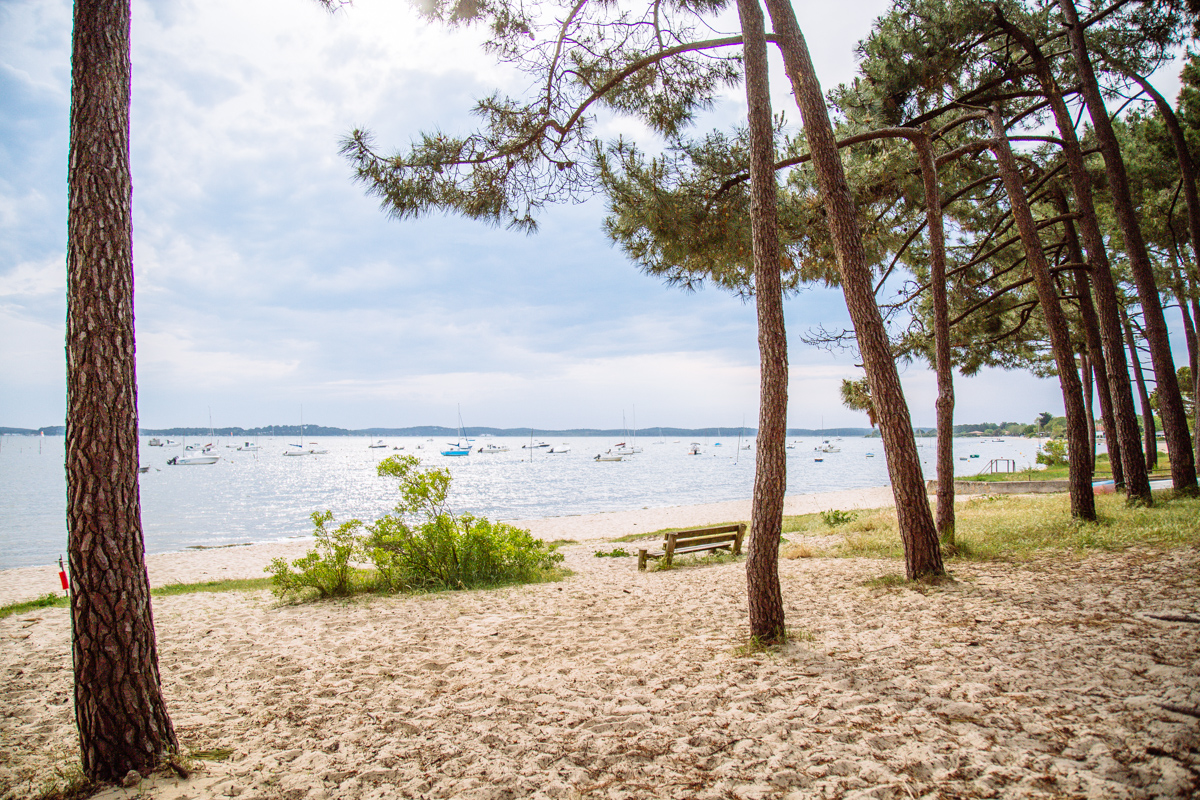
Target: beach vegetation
616,552
51,600
1053,453
68,783
1021,528
230,585
422,545
833,517
328,568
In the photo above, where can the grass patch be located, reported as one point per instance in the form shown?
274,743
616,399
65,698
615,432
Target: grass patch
754,646
1012,528
1060,472
46,601
68,784
215,754
561,543
712,558
616,552
242,585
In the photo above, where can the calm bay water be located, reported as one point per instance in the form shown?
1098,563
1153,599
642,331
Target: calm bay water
264,496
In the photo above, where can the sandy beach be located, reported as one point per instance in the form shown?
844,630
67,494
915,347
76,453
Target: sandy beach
1044,679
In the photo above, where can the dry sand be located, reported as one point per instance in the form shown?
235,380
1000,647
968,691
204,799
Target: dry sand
1035,680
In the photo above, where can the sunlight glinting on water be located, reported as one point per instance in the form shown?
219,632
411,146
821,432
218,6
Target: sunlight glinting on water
265,496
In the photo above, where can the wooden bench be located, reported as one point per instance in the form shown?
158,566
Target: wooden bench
719,537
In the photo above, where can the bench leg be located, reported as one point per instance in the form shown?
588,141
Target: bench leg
641,560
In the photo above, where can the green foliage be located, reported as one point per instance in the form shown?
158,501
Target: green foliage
328,568
1054,453
856,396
46,601
616,552
420,545
833,517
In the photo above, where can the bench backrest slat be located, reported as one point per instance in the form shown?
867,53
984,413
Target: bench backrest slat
682,536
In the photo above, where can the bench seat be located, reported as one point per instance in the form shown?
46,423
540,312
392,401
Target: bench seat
696,540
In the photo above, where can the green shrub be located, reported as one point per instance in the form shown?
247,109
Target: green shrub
1053,454
328,568
616,552
420,545
834,517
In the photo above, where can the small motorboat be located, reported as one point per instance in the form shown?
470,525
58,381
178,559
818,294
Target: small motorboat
377,445
560,448
818,460
608,456
248,447
694,449
401,447
155,442
193,461
493,448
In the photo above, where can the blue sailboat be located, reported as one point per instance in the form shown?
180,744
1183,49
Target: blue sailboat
463,446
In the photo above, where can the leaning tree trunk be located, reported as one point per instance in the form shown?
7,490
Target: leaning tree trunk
770,474
119,710
1170,401
1149,432
1129,449
922,554
941,340
1083,501
1085,377
1093,341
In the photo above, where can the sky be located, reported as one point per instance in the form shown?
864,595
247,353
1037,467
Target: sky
269,287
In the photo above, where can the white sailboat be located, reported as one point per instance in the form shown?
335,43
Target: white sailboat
463,446
298,449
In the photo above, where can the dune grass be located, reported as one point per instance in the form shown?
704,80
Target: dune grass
56,600
1060,472
1016,528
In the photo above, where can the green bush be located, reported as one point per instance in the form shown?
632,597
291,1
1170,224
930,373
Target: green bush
420,545
833,517
1054,453
328,568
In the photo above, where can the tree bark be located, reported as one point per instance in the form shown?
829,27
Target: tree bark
941,340
1085,377
119,709
1129,448
770,475
922,554
1149,431
1095,349
1170,401
1083,501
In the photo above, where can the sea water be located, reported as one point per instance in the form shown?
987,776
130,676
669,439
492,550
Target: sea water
263,496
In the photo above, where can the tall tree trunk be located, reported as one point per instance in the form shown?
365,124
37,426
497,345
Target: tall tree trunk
1083,501
922,554
770,474
1095,351
941,340
1170,402
1150,434
1129,449
119,710
1085,376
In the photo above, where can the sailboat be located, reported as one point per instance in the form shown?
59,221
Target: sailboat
463,446
299,448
